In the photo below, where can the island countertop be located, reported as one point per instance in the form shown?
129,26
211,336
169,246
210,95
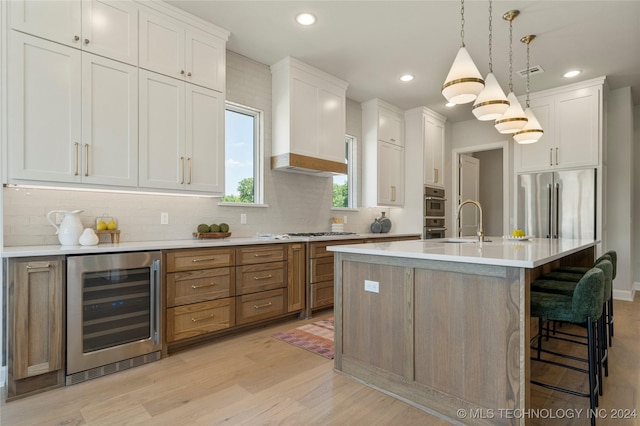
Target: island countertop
497,251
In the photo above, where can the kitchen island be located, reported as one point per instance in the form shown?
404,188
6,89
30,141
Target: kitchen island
445,325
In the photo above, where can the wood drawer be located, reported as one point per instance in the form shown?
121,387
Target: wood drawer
261,277
321,294
189,260
199,318
199,286
319,249
262,254
321,269
259,306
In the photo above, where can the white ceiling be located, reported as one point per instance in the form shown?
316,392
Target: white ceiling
371,43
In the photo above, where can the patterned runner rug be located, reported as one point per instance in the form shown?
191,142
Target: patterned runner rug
316,337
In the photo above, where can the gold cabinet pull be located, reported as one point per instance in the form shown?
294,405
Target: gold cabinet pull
182,72
266,277
262,306
201,319
86,159
38,265
182,170
189,74
435,172
77,145
393,193
551,156
205,259
557,156
86,41
190,170
262,255
76,37
211,284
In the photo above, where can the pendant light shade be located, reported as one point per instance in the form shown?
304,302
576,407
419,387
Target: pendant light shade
491,103
532,131
513,119
464,82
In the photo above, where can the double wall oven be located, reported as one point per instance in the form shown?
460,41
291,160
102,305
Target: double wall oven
114,319
434,213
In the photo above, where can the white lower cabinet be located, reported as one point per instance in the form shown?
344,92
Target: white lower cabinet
73,115
181,135
390,174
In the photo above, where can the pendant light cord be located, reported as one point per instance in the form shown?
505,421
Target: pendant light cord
490,37
528,69
462,22
511,55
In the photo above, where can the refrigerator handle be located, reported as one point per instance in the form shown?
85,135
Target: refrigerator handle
557,210
549,204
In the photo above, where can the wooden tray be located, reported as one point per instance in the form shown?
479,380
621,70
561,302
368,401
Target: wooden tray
203,235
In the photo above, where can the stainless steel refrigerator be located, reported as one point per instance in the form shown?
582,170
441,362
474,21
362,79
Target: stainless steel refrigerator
558,204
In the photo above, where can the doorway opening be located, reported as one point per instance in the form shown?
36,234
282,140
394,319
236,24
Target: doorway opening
482,171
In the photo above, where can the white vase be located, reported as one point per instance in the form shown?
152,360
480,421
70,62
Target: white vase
88,238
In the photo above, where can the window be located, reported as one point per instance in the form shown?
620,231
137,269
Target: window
344,195
243,153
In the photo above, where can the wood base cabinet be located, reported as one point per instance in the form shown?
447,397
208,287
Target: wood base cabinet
35,324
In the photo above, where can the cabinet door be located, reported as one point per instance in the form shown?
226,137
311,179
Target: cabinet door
162,157
295,277
109,122
390,127
205,60
204,140
304,118
161,45
37,320
390,174
578,128
433,152
331,109
44,110
110,28
540,155
58,21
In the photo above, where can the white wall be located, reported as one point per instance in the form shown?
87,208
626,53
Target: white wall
297,202
620,188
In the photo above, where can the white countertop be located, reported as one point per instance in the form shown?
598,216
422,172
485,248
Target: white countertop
521,254
56,250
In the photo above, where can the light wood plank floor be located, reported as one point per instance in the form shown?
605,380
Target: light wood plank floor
253,379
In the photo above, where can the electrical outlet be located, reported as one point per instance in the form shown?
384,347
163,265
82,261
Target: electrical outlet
164,218
344,220
243,219
372,286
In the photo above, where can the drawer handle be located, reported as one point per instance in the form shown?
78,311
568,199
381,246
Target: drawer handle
266,305
201,319
206,259
43,265
263,278
203,285
262,255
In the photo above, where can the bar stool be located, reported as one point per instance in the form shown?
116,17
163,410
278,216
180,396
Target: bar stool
583,307
581,270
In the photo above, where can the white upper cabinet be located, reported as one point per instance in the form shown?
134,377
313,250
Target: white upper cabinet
309,108
73,116
434,132
167,47
106,28
571,118
383,165
181,135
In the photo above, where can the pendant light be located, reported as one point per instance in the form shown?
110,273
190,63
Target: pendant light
464,82
513,118
532,131
491,103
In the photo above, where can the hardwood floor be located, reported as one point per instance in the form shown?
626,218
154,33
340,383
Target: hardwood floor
254,379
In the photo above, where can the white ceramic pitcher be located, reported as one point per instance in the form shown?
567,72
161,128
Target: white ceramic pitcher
70,228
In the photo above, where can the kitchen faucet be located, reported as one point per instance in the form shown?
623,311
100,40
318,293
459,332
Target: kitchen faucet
480,232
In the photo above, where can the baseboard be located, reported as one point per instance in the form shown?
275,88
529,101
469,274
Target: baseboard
636,286
625,294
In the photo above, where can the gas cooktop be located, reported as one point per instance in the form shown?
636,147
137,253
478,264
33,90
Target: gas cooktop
318,234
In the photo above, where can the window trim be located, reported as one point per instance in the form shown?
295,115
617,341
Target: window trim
258,150
352,170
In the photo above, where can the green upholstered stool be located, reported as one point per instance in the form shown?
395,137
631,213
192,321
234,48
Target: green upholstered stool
584,306
581,270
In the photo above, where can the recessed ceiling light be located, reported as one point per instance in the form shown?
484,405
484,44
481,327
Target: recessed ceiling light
406,77
305,19
450,104
571,73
